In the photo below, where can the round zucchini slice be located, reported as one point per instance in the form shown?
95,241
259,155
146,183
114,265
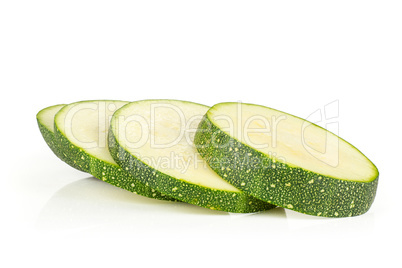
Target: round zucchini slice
81,130
153,141
286,161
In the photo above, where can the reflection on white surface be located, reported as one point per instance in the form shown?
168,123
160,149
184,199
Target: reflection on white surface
93,204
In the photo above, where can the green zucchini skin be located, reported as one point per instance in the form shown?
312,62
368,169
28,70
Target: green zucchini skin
50,140
237,202
278,183
108,172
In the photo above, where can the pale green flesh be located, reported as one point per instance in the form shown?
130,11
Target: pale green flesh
46,116
293,141
85,124
161,135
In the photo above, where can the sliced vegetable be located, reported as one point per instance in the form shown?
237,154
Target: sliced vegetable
153,140
45,119
81,133
287,161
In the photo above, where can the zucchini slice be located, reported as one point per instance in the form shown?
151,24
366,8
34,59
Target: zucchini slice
286,160
45,119
153,140
81,133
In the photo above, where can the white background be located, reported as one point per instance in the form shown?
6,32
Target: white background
296,56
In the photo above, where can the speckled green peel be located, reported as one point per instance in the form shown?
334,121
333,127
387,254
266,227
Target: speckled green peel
183,191
103,170
48,134
118,177
197,185
278,183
